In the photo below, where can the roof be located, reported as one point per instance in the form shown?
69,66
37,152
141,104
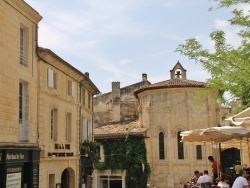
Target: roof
173,83
119,130
51,53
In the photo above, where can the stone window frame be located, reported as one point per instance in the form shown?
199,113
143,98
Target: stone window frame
198,152
180,146
161,146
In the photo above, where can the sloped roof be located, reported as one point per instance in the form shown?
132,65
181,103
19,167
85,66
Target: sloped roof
173,83
45,51
119,130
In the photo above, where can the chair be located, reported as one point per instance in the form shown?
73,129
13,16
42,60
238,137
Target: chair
206,185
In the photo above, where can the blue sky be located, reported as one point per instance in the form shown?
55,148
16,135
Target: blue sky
118,40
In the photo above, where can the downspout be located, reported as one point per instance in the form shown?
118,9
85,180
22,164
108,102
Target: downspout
92,117
80,133
80,112
38,84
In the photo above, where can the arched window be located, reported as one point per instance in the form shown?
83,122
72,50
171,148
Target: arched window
180,146
198,152
161,146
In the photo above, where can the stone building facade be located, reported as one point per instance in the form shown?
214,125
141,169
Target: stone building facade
65,112
46,107
118,105
19,149
165,109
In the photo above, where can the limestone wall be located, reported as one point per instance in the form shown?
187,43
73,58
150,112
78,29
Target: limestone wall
124,107
12,72
169,111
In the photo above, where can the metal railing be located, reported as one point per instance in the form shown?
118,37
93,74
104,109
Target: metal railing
24,130
23,58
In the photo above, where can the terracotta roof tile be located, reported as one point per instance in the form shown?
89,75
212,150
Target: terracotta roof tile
119,130
173,83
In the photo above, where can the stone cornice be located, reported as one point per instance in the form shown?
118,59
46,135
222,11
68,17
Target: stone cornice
23,8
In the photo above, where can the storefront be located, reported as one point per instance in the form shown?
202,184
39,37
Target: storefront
19,167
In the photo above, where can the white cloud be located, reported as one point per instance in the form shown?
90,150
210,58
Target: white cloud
221,24
230,32
124,61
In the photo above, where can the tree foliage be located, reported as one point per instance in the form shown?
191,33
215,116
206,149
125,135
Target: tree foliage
127,155
228,65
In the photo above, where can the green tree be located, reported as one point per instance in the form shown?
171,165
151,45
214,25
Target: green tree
228,65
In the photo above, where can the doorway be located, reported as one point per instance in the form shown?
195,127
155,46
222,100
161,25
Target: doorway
65,179
229,158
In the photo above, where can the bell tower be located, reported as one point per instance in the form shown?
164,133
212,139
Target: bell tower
178,72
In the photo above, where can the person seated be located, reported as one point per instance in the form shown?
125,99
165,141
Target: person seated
237,168
224,182
204,181
241,181
194,177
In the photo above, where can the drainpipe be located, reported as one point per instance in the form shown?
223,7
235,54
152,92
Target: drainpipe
80,134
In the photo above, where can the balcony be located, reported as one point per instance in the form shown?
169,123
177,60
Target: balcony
23,58
24,130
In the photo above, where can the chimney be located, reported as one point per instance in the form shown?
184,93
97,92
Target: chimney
87,74
116,93
144,77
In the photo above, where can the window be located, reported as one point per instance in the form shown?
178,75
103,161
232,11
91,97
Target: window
161,146
71,88
83,96
198,152
90,130
101,154
23,59
110,181
180,146
23,111
53,123
23,102
51,180
51,79
68,127
84,130
89,101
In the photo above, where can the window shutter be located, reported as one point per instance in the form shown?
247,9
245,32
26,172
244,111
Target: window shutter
84,130
68,127
55,125
50,78
90,130
69,87
73,88
101,154
26,102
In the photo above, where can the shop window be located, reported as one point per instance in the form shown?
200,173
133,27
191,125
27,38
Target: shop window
161,146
